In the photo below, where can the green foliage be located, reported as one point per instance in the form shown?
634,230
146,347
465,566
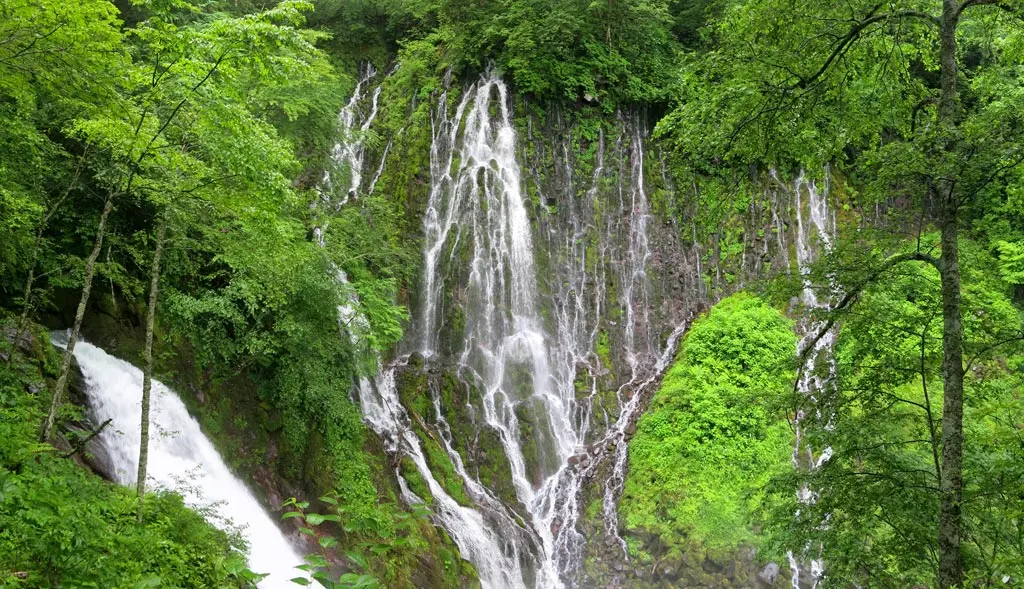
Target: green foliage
605,52
1011,261
712,438
880,488
61,526
55,57
371,559
214,115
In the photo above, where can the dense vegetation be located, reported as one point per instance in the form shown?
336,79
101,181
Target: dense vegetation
61,526
879,487
159,158
187,129
713,436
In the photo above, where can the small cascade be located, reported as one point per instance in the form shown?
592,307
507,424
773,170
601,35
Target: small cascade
349,152
636,286
181,458
353,124
576,344
578,306
816,225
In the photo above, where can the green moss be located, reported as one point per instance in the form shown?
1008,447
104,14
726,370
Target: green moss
604,350
412,478
443,469
493,468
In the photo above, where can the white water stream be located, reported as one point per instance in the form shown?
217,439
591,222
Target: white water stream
353,126
495,554
521,371
181,458
816,224
505,351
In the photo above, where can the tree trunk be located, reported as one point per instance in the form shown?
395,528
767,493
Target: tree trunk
147,374
37,244
951,480
65,368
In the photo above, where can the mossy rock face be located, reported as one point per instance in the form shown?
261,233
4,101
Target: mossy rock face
413,390
442,467
477,443
492,467
414,480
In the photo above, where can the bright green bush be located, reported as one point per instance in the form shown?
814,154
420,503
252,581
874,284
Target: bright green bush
712,438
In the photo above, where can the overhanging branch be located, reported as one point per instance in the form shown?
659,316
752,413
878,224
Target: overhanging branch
855,32
853,293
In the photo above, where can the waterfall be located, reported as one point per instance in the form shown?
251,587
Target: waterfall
351,150
479,205
815,382
521,357
181,458
495,555
577,334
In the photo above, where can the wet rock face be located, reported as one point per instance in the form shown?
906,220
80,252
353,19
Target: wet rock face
620,260
769,574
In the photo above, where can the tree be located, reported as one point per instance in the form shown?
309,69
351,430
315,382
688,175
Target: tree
885,431
203,87
55,58
812,83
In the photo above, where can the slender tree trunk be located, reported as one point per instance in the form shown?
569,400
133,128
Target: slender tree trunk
65,369
147,375
951,480
37,245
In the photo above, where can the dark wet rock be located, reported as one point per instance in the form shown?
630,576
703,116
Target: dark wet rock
24,340
92,454
98,458
769,574
76,386
710,566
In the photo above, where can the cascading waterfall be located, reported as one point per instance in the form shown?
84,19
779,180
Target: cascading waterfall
479,206
576,344
476,220
351,151
494,555
181,458
815,381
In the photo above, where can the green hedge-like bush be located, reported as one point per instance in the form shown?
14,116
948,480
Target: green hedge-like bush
712,438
